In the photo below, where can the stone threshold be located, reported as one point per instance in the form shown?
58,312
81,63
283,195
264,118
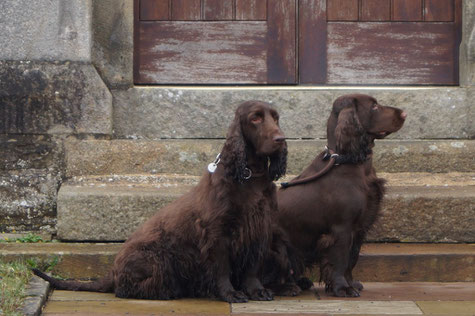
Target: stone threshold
387,262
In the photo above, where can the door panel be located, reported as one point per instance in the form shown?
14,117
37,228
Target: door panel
391,53
380,46
439,10
375,10
204,52
407,10
215,42
253,10
342,10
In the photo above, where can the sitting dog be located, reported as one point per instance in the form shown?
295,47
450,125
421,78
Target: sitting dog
327,210
212,241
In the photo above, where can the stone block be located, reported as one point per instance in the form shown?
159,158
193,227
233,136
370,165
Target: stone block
104,212
23,152
467,47
120,156
155,112
53,30
417,207
53,98
113,43
427,214
28,201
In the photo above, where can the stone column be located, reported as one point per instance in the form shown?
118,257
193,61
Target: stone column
49,90
467,47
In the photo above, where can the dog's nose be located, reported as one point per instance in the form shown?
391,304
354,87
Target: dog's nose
279,139
403,115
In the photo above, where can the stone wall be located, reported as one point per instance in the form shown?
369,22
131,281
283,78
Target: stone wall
49,89
66,71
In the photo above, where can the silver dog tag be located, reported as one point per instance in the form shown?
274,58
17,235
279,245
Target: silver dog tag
212,166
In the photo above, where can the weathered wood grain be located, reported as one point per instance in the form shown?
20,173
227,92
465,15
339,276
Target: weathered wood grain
186,10
407,10
152,10
136,56
375,10
281,63
439,10
217,10
249,10
413,53
312,42
322,307
342,10
203,53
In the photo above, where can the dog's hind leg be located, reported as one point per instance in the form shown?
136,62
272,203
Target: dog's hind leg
144,275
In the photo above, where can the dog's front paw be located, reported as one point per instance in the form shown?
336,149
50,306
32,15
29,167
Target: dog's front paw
305,283
261,295
345,291
357,286
289,289
235,297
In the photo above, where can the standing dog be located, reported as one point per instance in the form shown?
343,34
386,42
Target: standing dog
213,240
328,209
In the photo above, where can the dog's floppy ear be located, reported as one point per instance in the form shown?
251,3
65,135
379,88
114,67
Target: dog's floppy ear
233,155
278,164
350,138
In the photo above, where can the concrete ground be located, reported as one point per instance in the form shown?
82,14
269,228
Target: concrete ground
400,298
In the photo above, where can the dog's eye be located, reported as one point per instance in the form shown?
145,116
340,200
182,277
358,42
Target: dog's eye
375,107
256,119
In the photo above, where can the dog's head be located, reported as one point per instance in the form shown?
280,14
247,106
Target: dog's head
255,132
356,120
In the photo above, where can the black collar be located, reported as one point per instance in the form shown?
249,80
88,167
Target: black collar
339,159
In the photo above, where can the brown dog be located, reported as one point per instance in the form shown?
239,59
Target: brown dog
328,209
213,240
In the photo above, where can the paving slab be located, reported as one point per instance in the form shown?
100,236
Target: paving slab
329,307
419,207
418,298
107,303
447,308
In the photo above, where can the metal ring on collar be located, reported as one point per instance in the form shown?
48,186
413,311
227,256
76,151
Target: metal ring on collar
247,174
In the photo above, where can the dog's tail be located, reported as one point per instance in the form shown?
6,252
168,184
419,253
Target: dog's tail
105,285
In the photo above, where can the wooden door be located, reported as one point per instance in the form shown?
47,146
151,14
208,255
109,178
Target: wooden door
372,42
215,42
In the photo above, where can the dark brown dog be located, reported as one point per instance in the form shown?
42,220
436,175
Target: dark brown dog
213,240
327,217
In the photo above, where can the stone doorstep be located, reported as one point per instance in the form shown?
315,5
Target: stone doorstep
419,207
129,156
206,112
378,262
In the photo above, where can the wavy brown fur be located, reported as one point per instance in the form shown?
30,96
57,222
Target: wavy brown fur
212,241
327,220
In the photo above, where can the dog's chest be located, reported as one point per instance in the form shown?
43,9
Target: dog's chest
251,224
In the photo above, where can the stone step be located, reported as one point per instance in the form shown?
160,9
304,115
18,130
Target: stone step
419,207
100,157
389,262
